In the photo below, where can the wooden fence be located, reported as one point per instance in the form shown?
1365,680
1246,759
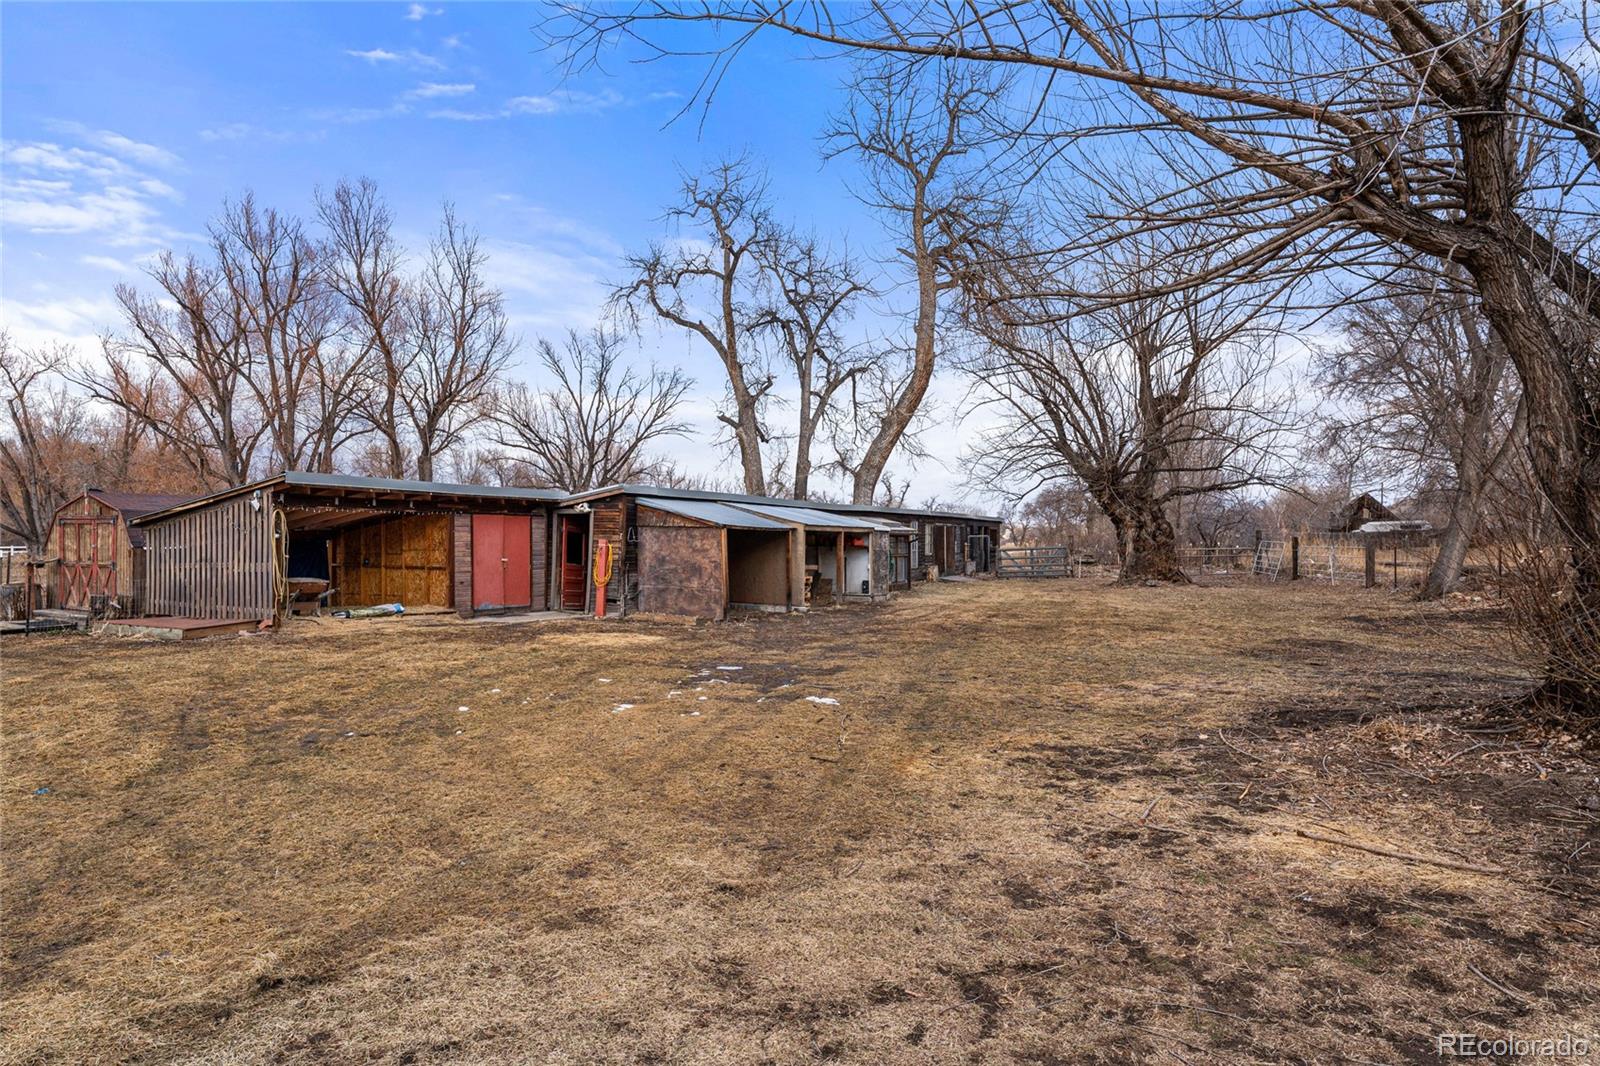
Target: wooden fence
212,562
1035,562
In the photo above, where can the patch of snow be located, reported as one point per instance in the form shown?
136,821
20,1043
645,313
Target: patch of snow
603,680
463,708
828,700
730,668
619,708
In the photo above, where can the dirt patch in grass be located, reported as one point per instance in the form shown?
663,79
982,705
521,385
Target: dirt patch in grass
1044,822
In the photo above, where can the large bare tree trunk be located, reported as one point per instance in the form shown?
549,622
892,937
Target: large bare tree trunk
1146,540
728,205
1564,450
903,409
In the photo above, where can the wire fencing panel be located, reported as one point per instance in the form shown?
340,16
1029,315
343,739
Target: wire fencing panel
1335,558
1218,560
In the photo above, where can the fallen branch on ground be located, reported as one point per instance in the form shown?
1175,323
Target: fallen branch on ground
1404,856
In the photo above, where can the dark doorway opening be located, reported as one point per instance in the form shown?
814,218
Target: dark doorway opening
574,562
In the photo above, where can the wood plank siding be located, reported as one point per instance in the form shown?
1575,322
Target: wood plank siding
610,524
215,562
682,565
405,559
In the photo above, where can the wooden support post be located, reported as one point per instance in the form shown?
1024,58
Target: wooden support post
838,566
1370,549
1294,558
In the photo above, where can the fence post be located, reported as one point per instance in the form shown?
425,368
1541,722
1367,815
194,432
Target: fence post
1294,558
1370,549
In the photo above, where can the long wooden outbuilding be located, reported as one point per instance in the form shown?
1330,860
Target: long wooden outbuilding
237,554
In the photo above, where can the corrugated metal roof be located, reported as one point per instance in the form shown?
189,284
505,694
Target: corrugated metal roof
740,499
719,514
306,480
888,527
806,516
437,488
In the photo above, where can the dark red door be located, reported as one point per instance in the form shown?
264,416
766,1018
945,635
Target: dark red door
517,547
574,560
501,553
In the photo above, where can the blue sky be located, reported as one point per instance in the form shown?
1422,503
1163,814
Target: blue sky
126,125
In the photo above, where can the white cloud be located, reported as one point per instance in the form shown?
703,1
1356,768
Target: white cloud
554,270
573,101
127,148
48,187
455,114
433,90
418,12
567,100
106,262
409,58
247,131
121,147
77,321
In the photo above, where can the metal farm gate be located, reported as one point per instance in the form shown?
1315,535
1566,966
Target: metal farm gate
1035,562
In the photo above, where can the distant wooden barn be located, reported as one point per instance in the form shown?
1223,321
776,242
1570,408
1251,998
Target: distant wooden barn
1357,512
99,563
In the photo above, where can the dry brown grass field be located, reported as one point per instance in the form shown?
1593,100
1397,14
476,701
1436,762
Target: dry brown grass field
1043,823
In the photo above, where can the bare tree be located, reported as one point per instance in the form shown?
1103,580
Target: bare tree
1143,402
854,423
53,444
709,285
596,420
427,351
1425,378
911,134
182,368
365,268
240,360
1451,130
41,424
285,316
815,294
461,344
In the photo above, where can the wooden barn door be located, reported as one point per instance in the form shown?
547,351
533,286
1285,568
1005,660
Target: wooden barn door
86,546
502,574
574,562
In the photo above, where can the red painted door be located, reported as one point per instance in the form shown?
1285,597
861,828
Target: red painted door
488,561
574,559
501,561
517,550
